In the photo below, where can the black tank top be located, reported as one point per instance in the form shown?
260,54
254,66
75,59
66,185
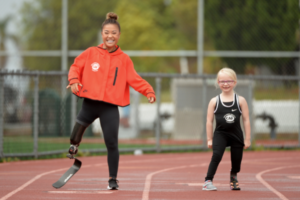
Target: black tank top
227,115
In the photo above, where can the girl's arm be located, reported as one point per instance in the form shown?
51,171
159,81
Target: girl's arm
246,121
209,121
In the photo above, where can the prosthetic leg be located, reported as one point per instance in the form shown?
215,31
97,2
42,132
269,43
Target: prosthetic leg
75,139
234,184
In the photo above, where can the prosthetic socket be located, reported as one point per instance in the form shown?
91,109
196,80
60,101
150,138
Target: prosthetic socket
77,134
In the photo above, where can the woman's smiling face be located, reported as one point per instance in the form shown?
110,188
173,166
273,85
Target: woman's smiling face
110,35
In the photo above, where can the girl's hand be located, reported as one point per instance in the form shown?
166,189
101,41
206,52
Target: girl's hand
74,87
247,144
151,99
209,144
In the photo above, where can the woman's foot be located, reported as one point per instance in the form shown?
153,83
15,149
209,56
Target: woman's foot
113,184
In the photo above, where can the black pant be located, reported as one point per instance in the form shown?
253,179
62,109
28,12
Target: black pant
220,142
109,121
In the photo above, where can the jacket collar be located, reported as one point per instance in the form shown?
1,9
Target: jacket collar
115,52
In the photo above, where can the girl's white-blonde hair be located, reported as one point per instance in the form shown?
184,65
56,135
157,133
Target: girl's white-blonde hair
227,71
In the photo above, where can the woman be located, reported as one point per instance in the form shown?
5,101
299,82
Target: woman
102,76
227,108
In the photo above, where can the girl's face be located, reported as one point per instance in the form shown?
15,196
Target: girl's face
225,82
110,35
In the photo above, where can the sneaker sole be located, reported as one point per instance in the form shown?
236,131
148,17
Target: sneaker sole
209,189
113,188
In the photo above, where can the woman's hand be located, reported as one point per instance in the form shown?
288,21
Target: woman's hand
151,99
209,144
247,144
74,87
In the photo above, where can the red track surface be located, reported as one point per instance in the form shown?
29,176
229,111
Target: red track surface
264,176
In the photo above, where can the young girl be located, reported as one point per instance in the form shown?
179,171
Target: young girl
227,109
102,76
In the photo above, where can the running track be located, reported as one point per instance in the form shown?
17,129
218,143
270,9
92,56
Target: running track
264,176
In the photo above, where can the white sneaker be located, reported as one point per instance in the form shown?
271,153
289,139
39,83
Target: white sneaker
113,184
208,185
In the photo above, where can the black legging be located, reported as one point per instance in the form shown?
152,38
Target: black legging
220,141
109,120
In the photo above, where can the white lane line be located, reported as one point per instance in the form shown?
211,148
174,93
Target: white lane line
50,172
80,192
31,181
258,177
149,178
294,177
53,171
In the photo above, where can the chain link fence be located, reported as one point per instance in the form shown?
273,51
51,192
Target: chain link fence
37,117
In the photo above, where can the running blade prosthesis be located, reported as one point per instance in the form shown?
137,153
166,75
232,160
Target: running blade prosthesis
68,175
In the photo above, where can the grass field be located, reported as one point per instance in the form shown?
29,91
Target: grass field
258,93
26,144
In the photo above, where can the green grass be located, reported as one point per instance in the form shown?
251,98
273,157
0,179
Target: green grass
26,144
254,147
258,93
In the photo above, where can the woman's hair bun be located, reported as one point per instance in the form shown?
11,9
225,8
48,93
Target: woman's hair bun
112,15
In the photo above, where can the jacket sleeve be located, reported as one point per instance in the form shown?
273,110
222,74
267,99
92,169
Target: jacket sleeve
77,67
137,82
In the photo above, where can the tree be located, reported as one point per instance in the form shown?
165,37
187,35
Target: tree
149,25
254,25
41,28
145,25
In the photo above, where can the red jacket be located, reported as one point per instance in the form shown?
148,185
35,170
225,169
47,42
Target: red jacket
107,76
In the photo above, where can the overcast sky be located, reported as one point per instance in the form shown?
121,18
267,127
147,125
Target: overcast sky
12,7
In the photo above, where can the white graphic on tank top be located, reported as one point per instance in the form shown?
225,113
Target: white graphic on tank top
229,118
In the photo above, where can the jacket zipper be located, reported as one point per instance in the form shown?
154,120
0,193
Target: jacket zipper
116,76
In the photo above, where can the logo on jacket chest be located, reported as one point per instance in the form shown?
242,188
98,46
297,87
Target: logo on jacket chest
229,118
95,66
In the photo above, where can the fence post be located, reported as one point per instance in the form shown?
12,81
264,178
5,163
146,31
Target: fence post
157,127
200,33
299,88
299,106
136,101
251,113
1,115
204,110
36,116
64,63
